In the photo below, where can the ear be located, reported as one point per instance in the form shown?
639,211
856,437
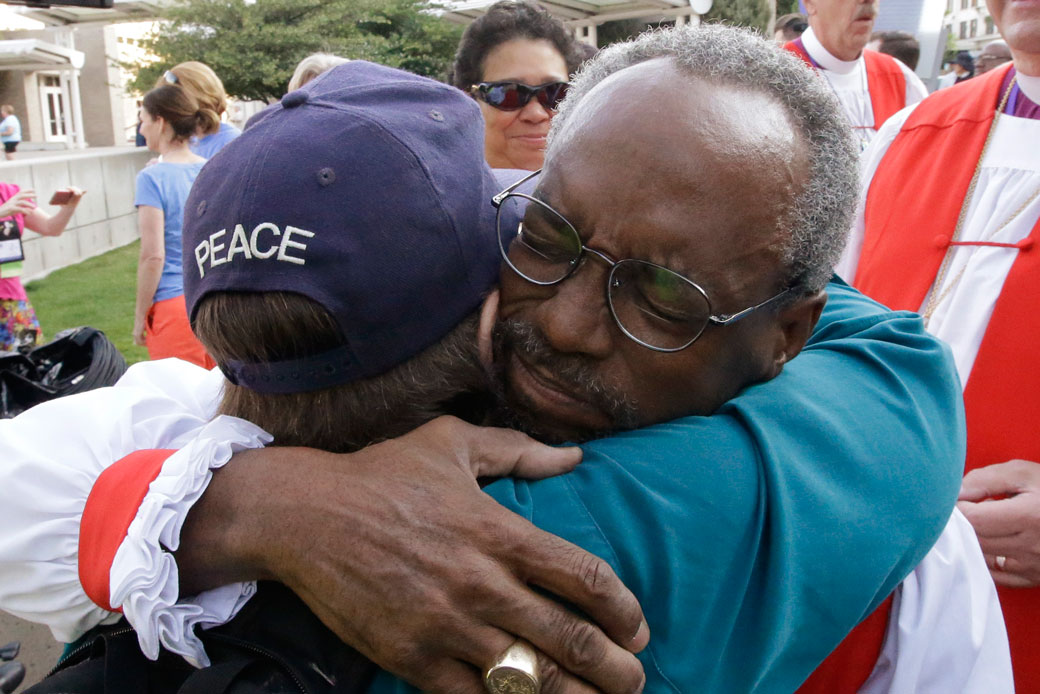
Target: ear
810,7
488,317
796,323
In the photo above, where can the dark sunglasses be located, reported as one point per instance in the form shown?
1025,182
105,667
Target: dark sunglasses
513,96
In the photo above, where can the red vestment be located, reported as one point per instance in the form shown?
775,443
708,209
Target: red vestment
911,212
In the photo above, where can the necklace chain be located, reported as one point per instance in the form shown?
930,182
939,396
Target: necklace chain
936,297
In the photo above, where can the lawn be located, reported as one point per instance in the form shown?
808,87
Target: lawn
98,292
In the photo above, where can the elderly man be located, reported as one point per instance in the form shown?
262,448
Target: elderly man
871,86
963,234
755,538
994,54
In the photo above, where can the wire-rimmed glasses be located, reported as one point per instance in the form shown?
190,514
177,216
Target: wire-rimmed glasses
651,304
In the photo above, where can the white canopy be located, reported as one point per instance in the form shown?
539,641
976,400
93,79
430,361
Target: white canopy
578,13
34,54
121,11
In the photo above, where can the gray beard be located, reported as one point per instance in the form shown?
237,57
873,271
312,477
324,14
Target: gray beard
512,410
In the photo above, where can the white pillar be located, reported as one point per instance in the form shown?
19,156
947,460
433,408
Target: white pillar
680,20
66,109
77,111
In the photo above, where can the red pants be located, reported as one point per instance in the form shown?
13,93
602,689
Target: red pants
169,334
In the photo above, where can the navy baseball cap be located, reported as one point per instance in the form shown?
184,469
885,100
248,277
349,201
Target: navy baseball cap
366,191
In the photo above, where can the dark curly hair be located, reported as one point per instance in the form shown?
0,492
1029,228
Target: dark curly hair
505,21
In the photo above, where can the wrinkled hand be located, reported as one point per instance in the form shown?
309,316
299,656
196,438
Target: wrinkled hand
22,202
1007,527
398,551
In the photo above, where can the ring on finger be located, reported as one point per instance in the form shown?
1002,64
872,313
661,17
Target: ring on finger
1000,560
515,671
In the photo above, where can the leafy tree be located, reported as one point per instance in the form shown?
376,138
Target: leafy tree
745,13
255,47
786,7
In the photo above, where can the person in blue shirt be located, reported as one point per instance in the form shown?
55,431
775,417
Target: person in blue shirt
10,130
170,115
200,80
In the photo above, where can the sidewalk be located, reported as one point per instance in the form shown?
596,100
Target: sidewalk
39,649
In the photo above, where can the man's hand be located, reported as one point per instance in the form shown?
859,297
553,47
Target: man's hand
397,550
1007,527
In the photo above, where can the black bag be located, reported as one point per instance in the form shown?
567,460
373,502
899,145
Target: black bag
274,645
75,361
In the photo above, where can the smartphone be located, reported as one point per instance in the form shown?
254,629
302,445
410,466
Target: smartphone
61,197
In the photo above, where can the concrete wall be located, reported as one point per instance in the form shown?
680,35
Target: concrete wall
106,217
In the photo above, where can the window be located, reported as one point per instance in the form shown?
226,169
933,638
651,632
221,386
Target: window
974,28
964,4
964,30
949,6
990,27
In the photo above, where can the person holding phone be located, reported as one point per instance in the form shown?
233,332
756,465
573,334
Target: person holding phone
170,115
19,326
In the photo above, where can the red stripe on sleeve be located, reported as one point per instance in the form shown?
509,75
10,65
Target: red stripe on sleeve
111,506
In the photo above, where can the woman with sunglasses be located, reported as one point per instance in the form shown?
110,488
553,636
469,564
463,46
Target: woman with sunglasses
199,80
515,61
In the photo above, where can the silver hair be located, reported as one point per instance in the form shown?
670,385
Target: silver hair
819,219
312,66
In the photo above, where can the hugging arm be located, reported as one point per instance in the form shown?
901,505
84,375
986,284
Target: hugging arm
755,539
50,561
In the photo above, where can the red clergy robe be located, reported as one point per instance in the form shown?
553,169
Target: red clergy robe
910,216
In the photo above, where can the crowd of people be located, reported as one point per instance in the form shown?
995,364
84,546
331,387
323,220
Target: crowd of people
758,416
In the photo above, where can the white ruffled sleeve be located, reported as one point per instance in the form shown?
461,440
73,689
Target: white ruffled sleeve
50,458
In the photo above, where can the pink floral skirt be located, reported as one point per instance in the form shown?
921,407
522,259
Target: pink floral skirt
18,325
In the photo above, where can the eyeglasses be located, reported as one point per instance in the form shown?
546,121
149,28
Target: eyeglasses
170,77
513,96
654,306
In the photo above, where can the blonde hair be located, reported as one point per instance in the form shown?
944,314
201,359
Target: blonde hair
312,66
200,81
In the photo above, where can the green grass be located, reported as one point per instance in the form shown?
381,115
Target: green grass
98,292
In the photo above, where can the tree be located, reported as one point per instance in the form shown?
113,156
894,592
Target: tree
744,13
255,47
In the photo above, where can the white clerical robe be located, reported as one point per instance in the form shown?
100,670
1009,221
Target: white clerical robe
849,82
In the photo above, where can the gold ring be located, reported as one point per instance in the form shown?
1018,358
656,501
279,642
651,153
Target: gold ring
1000,561
515,671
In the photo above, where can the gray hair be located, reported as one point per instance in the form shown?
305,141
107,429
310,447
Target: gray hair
819,219
312,66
